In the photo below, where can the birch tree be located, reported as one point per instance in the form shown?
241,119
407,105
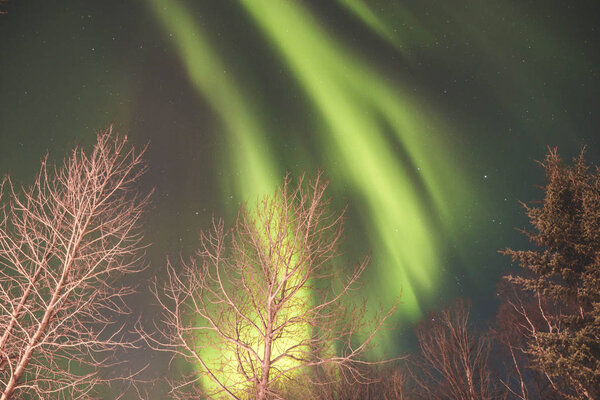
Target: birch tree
65,242
455,361
262,305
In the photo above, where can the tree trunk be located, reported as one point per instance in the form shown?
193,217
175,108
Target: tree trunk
266,363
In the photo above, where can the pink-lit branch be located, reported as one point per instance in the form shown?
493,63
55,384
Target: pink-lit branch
65,242
455,362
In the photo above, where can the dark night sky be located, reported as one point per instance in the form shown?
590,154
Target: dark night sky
427,116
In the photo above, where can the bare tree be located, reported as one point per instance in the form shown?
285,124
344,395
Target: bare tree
455,361
515,322
262,304
387,382
64,243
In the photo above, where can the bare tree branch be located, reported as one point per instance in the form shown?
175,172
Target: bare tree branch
262,303
455,361
64,243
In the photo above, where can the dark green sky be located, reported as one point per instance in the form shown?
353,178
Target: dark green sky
427,116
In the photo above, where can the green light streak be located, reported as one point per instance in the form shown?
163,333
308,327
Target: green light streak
355,102
363,11
365,119
399,27
250,152
251,156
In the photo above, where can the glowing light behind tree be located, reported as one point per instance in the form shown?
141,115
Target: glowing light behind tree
366,120
248,146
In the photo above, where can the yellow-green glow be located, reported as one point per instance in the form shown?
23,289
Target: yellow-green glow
358,105
279,258
367,120
257,175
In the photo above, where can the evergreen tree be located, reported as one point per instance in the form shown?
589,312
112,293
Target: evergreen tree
557,291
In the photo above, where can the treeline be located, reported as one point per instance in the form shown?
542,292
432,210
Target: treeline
262,311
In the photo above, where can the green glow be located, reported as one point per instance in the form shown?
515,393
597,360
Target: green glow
357,105
365,118
398,26
369,17
251,156
250,152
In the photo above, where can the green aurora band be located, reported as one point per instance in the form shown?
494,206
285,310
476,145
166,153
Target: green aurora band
404,105
366,119
541,53
246,137
399,27
360,108
248,147
247,143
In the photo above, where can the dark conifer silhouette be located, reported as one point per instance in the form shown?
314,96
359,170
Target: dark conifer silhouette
556,294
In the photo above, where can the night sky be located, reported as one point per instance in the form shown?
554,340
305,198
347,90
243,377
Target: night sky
426,116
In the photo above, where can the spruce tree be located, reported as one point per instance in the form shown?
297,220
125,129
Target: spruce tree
557,289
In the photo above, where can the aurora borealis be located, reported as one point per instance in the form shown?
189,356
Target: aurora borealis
425,116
